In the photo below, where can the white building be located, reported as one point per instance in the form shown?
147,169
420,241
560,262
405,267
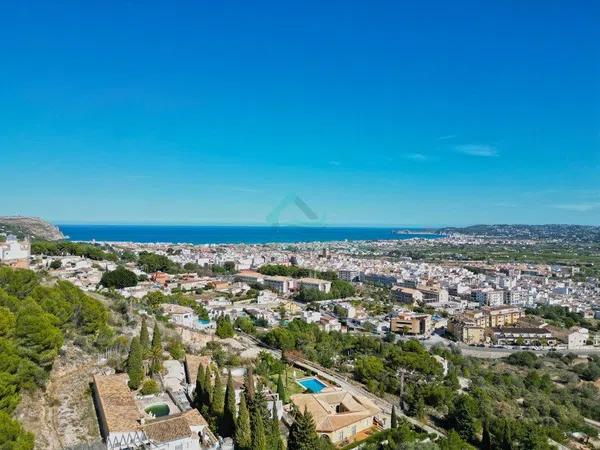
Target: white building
311,316
315,283
488,297
349,274
180,315
279,284
578,338
15,253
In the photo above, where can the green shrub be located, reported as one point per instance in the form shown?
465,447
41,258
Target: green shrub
150,387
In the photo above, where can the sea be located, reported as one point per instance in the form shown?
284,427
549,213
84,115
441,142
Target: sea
205,234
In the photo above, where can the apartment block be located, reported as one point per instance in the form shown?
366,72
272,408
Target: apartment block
411,323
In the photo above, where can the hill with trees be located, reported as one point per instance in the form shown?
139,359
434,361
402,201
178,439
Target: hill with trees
29,227
35,321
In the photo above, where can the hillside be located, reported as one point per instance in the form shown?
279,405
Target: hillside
32,227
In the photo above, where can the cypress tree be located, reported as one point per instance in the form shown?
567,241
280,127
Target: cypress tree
199,391
249,386
243,438
394,418
228,422
303,434
156,337
281,390
144,338
217,403
486,439
259,439
135,368
280,444
260,406
156,351
274,432
208,389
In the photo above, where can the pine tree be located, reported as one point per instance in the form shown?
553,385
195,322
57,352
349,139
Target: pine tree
144,338
394,418
199,391
303,435
243,438
228,422
135,368
217,403
259,438
281,390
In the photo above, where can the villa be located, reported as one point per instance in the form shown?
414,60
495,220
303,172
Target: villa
124,425
339,415
180,315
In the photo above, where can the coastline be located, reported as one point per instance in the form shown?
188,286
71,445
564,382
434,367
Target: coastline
234,234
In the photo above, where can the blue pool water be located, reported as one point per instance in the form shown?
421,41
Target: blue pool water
313,385
202,323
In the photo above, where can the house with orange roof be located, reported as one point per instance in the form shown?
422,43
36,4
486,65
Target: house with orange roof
338,414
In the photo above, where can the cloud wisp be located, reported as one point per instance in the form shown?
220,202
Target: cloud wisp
480,150
578,207
420,157
446,137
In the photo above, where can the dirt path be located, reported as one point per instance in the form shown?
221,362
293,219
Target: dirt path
64,414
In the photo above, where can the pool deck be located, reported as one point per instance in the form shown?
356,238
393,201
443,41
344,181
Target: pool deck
326,386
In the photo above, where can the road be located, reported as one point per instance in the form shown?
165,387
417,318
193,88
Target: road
492,353
346,384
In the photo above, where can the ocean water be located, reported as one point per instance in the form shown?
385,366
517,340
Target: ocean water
204,234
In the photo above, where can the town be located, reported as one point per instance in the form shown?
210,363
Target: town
254,346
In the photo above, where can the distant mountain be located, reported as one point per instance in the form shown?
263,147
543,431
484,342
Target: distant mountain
31,227
572,233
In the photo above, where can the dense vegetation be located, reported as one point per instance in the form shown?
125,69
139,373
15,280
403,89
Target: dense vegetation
35,320
64,248
251,424
295,272
151,262
514,403
119,278
154,299
561,317
369,359
585,256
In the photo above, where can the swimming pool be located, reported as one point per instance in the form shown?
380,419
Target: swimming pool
312,384
158,410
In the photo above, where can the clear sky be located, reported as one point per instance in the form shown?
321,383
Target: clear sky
372,112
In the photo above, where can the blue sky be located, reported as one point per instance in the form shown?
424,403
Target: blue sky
372,112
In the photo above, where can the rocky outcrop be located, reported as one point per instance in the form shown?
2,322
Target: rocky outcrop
31,227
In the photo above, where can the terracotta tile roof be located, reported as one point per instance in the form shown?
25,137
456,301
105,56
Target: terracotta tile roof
332,411
117,403
167,429
194,418
192,362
